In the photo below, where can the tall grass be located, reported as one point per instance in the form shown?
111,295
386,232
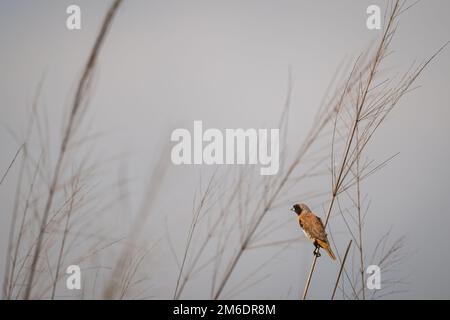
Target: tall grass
365,109
236,214
361,102
28,268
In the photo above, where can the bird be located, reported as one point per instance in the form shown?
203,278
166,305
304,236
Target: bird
313,228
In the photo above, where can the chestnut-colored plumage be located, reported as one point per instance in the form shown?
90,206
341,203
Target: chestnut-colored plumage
313,228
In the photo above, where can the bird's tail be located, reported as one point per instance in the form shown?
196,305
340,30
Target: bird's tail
327,248
330,253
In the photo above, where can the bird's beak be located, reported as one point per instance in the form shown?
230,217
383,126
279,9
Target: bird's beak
292,209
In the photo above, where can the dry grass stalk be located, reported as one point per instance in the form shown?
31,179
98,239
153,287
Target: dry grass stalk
342,268
80,95
364,111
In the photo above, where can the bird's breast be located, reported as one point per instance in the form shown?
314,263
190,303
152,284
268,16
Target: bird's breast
307,234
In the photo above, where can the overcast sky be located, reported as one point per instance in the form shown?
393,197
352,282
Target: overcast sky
168,63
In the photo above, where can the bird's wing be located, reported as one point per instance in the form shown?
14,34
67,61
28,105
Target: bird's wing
314,226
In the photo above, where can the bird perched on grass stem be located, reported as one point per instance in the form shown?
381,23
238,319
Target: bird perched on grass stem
313,228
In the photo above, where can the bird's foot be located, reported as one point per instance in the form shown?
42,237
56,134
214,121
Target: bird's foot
317,253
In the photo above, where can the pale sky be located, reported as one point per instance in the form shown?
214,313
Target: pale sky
168,63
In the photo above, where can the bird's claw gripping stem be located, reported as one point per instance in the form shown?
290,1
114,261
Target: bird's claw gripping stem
317,253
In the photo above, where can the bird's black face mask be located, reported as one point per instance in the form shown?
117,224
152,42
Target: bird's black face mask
297,209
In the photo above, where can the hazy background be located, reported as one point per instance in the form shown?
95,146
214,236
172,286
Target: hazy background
167,63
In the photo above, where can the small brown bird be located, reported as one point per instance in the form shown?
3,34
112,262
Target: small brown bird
313,228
